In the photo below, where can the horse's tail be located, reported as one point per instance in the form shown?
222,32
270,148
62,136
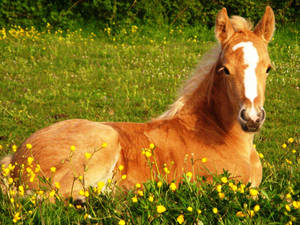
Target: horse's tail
6,160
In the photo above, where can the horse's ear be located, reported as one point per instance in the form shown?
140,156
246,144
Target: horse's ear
266,26
223,29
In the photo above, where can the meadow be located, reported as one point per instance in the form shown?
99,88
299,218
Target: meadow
132,73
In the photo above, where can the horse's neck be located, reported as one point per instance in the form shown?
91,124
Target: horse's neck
209,107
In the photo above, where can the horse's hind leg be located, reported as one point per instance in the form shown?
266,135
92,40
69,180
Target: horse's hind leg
84,171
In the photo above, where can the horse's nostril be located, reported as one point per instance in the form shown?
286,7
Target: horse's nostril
243,114
261,116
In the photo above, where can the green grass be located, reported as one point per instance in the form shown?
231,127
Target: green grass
133,76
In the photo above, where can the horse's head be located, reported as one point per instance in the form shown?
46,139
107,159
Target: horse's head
244,62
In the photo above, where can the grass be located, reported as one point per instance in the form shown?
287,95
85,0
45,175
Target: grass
132,74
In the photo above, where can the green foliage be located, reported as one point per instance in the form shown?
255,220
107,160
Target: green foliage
66,13
131,73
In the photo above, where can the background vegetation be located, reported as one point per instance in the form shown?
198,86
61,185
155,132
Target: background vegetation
70,13
126,69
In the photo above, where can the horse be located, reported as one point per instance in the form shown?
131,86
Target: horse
211,125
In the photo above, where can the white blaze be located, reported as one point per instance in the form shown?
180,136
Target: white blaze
251,59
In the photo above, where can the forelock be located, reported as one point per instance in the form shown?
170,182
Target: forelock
240,24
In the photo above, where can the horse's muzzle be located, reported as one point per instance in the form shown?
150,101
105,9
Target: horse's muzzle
251,120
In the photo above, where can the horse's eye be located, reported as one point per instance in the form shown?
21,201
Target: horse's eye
226,71
268,70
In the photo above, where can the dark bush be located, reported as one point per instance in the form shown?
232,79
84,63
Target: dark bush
68,13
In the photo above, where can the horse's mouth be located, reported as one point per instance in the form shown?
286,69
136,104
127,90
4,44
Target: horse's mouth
247,128
250,126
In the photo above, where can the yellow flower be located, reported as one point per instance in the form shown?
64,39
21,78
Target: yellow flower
240,214
124,177
28,170
190,209
288,196
256,208
37,168
204,160
224,180
140,193
253,192
12,200
291,140
87,155
159,184
160,209
221,195
180,219
261,155
219,188
283,145
173,187
57,185
189,174
12,192
28,146
134,199
289,161
254,146
121,167
21,190
52,193
199,211
14,148
241,188
32,176
234,187
16,217
215,210
251,213
294,151
86,216
151,146
86,194
30,160
138,185
11,167
122,222
167,171
151,198
80,177
104,145
72,148
81,192
53,169
100,185
288,208
296,204
10,180
148,154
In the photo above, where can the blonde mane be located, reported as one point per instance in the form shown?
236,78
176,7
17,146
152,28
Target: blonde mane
204,67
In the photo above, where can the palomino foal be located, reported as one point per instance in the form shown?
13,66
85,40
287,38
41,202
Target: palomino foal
214,118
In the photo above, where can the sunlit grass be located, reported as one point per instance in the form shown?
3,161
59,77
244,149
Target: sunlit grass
132,74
